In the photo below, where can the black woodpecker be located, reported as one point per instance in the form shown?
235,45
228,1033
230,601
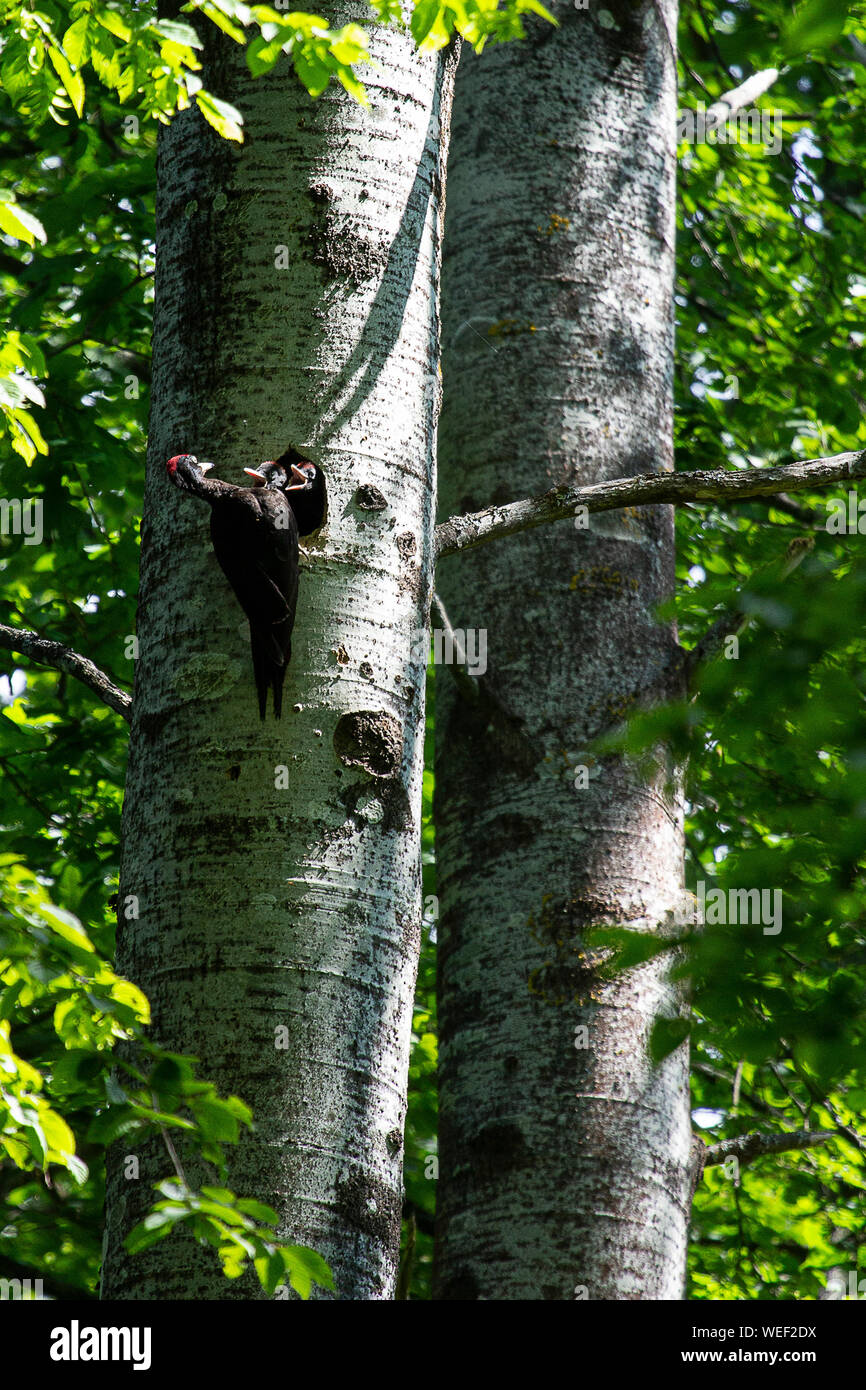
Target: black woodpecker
255,537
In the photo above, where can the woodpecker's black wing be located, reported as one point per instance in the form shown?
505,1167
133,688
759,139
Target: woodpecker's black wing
255,538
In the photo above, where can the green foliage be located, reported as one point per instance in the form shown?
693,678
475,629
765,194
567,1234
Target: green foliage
776,1232
318,52
151,65
21,358
769,322
119,65
774,741
816,24
769,300
434,22
238,1229
65,1011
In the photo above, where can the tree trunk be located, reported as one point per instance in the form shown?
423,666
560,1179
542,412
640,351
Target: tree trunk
276,866
564,1154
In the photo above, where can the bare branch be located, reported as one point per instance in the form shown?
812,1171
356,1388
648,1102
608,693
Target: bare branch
731,624
719,485
747,1147
16,639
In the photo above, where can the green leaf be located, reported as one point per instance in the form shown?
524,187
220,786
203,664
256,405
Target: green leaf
312,70
16,75
72,81
26,437
537,8
15,221
424,16
233,1259
270,1270
155,1226
167,1076
75,41
304,1267
77,1069
111,20
818,24
225,119
258,1211
215,14
353,86
350,44
216,1120
112,1124
219,1194
262,55
178,32
15,390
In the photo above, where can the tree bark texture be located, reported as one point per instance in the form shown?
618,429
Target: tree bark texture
564,1151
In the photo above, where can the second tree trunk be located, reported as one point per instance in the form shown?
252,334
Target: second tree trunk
563,1150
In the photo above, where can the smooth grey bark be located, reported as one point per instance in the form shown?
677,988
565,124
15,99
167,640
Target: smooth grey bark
276,867
564,1155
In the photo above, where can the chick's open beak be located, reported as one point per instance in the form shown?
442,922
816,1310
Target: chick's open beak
302,477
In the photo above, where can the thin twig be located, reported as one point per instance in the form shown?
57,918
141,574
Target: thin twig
172,1151
466,684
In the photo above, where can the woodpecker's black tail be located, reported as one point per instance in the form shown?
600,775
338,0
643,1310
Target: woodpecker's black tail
278,675
269,669
261,671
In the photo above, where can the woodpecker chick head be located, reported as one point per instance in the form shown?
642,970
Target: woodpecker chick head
308,497
270,474
303,483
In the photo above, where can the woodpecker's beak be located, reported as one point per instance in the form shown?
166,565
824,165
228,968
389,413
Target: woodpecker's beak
260,478
203,467
302,477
